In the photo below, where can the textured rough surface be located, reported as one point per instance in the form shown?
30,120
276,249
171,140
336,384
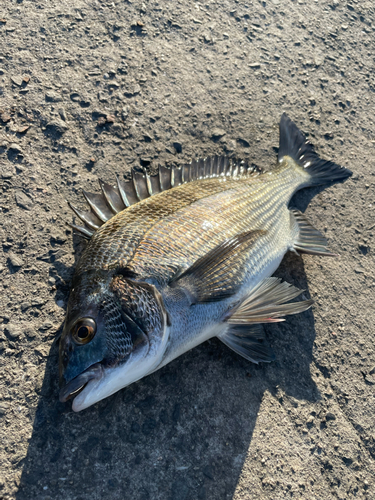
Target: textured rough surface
90,89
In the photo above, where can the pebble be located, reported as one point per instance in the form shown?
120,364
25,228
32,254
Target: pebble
217,133
254,65
75,97
53,97
17,80
132,90
23,129
62,114
5,117
13,331
23,200
2,71
8,173
15,260
3,407
25,306
57,127
15,148
124,113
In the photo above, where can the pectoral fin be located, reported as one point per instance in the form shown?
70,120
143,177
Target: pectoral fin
220,273
266,304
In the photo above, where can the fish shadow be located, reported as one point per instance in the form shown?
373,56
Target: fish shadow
182,433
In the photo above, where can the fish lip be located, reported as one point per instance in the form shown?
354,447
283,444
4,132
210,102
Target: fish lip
77,384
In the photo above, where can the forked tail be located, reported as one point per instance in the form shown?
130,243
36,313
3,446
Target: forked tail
294,144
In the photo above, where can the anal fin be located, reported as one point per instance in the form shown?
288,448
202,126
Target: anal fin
247,341
309,239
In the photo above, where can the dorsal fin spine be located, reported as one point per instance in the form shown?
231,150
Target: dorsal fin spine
122,193
143,185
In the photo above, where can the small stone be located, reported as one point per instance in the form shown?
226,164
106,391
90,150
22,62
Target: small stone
23,200
370,379
46,325
15,260
13,331
58,237
37,302
132,90
5,118
75,97
26,79
62,114
17,80
101,121
25,306
23,129
53,97
110,119
217,133
15,148
57,127
2,71
102,97
3,407
7,173
116,128
330,416
344,27
254,65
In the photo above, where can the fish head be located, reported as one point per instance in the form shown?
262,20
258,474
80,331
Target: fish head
115,333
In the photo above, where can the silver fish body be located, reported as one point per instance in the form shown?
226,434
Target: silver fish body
184,256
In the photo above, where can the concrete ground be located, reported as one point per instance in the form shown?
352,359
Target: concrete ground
89,89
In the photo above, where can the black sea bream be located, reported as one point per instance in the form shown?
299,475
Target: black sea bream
177,258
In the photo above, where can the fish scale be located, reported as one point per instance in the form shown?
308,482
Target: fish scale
177,240
126,229
183,256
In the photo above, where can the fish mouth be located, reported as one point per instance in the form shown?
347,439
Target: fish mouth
77,385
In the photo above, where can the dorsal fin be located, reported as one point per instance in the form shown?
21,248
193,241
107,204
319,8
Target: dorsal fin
114,199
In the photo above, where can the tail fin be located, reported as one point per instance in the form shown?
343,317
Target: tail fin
293,143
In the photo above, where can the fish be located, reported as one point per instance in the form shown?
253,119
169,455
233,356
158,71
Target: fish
184,255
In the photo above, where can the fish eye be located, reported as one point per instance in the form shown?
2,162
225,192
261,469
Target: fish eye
84,331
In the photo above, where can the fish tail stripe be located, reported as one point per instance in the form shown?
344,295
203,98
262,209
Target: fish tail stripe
294,144
309,239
